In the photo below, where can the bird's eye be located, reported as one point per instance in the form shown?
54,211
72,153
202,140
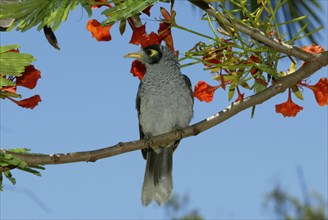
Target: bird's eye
151,52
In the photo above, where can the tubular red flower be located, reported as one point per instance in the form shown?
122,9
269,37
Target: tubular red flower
147,10
138,69
204,92
320,91
137,34
289,108
240,96
29,102
164,33
150,39
313,49
29,78
101,33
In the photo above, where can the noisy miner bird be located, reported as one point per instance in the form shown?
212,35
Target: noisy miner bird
164,104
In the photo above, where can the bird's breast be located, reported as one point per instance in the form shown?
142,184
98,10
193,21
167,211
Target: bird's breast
164,108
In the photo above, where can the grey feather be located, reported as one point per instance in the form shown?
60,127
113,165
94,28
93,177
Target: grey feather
164,103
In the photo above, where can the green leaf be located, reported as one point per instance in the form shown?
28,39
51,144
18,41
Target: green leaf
122,26
30,13
292,68
29,170
10,177
8,159
1,184
6,82
253,111
297,92
8,48
125,10
258,87
244,84
9,94
20,150
13,63
231,92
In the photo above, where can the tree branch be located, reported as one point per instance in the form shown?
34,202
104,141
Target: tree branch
253,32
319,61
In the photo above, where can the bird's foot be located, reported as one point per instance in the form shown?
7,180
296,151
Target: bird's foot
180,132
148,141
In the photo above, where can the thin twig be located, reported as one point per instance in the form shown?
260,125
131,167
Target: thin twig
253,32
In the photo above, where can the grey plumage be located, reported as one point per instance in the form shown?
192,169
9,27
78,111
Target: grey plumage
164,103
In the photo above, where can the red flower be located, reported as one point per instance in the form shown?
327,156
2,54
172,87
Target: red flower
166,15
240,96
212,58
164,30
150,39
320,91
164,33
254,58
138,69
313,49
101,33
29,102
147,10
289,108
29,78
138,34
204,92
11,89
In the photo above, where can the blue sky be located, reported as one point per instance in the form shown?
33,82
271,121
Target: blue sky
88,102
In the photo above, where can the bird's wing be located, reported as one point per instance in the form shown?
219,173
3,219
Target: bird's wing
188,82
141,134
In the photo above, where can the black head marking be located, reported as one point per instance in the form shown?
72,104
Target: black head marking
154,53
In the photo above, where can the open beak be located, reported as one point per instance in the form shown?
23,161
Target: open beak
137,55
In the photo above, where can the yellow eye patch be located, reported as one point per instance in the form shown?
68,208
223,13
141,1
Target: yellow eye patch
151,52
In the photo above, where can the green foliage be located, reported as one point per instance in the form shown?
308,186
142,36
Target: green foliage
9,161
12,65
52,13
301,15
30,13
288,207
282,205
12,62
177,208
126,9
236,60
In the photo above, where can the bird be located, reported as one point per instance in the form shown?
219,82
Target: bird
164,103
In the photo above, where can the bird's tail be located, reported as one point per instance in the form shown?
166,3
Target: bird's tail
158,182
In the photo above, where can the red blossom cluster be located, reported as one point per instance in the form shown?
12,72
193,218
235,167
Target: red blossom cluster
289,108
320,90
140,37
205,92
202,90
139,34
218,56
28,79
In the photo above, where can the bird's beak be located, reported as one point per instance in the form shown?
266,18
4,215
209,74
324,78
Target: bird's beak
137,55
